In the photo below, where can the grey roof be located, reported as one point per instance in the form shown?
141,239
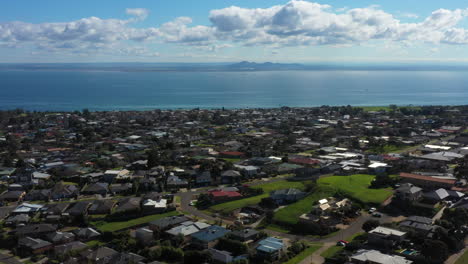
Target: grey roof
408,188
33,243
437,195
169,221
74,245
59,236
245,233
211,233
374,256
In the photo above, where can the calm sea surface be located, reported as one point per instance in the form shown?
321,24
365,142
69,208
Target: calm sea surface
76,90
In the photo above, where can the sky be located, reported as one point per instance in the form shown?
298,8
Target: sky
338,31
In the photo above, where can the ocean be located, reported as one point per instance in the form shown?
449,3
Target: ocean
112,90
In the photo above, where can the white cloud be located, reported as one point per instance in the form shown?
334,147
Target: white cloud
141,13
296,23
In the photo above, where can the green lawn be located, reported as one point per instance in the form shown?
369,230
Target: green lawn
304,254
267,188
93,243
330,252
115,226
289,215
357,187
384,108
463,259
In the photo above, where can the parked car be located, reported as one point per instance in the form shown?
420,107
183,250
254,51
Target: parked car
376,214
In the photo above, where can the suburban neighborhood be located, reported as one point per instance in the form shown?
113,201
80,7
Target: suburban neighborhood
381,185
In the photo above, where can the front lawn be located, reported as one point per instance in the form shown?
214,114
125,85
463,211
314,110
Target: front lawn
267,188
463,259
356,187
115,226
304,254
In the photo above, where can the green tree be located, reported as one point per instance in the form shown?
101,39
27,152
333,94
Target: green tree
370,224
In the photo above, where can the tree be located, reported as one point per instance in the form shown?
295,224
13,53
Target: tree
197,257
236,247
435,250
172,254
370,224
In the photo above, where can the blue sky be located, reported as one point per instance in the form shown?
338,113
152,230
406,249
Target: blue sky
222,31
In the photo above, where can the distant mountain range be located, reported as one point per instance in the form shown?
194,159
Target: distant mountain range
246,65
243,66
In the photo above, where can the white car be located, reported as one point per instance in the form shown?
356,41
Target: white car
373,209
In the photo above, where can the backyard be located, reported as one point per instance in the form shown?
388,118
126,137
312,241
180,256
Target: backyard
267,188
115,226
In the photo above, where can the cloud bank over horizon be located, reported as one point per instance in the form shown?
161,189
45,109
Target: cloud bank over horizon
293,24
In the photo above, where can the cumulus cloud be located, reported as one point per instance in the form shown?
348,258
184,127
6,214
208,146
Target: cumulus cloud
141,13
295,23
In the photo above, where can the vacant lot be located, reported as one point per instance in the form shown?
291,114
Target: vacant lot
115,226
356,187
267,188
289,215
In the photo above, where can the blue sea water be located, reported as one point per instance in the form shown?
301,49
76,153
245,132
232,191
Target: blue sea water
105,90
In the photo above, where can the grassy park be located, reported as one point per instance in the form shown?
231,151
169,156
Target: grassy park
356,187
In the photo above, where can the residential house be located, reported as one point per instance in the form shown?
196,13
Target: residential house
12,196
166,223
99,255
58,238
366,256
270,248
79,208
96,188
144,236
285,196
175,183
38,195
27,208
17,220
408,192
35,230
427,181
230,177
131,204
86,234
385,237
121,188
208,237
203,179
74,246
28,246
158,205
418,223
98,207
222,195
187,228
245,235
64,191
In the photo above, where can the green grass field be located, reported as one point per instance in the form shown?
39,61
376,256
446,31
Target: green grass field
384,108
356,187
463,259
115,226
304,254
289,215
330,252
267,188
